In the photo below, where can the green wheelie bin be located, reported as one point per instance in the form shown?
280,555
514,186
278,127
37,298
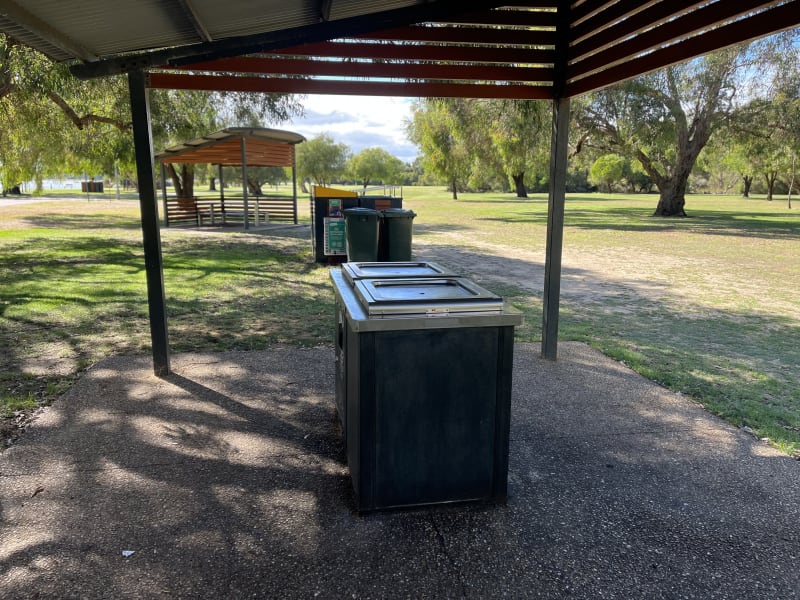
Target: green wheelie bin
396,234
361,232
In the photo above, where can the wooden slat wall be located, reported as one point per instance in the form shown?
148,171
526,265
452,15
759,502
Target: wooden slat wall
260,153
185,211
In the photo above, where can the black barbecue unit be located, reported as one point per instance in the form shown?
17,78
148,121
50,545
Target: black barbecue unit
423,384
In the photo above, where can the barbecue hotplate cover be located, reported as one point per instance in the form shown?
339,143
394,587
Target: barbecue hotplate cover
363,270
424,295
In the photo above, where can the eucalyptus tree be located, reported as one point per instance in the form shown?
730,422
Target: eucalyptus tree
518,133
764,140
665,119
50,121
498,137
373,165
436,126
783,122
321,159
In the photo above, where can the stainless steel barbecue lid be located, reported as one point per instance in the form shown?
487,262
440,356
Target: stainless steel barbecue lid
363,270
431,296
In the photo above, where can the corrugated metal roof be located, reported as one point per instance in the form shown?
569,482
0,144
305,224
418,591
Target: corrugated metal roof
111,28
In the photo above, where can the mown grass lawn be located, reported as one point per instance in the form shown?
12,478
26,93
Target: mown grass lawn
706,305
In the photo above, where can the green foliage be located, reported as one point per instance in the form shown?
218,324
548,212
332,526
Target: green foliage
665,119
608,170
763,141
445,151
482,142
638,180
517,130
52,123
724,163
321,159
375,165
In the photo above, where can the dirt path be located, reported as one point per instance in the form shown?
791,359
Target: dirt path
609,279
586,279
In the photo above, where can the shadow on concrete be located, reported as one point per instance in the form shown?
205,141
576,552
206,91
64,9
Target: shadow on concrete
228,479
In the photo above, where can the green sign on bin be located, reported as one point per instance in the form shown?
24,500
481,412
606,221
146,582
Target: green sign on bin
335,239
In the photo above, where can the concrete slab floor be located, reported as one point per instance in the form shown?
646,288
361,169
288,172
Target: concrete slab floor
228,479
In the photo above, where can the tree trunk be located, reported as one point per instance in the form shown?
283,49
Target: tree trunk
748,182
187,174
672,199
177,185
455,190
770,178
519,184
672,189
183,183
212,184
254,187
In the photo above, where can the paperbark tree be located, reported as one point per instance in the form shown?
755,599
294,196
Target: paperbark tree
50,121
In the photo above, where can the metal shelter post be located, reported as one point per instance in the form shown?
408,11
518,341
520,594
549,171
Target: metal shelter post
555,228
221,194
294,181
143,144
244,184
558,187
164,192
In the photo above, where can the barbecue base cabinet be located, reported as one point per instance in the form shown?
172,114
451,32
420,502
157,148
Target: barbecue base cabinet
424,403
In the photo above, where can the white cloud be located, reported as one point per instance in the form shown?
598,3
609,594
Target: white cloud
358,121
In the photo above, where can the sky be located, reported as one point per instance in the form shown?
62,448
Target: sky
359,122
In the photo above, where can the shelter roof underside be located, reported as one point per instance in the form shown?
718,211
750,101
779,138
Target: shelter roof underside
535,49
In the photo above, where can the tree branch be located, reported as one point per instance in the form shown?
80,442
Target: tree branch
81,121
